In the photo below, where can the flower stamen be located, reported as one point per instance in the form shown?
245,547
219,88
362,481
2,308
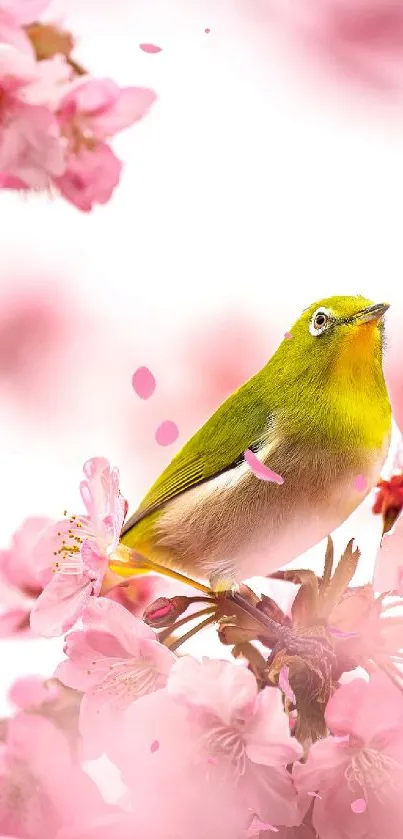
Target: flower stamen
373,773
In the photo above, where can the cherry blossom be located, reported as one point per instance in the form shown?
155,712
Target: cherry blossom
115,660
91,112
31,147
362,759
77,549
18,572
42,789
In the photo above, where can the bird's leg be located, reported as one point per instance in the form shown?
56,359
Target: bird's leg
166,633
177,642
136,562
273,627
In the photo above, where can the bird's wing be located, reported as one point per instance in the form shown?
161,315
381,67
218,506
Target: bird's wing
217,447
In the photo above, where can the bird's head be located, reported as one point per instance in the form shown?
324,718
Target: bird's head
328,371
342,336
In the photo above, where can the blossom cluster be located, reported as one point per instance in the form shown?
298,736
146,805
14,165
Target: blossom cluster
55,119
298,730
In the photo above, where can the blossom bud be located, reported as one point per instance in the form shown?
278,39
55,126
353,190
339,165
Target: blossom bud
165,611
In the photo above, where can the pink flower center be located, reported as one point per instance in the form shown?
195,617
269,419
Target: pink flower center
78,134
127,680
372,772
68,556
225,742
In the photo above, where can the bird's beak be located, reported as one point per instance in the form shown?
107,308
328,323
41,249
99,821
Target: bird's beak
372,313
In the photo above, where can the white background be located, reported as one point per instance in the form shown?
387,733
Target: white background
249,187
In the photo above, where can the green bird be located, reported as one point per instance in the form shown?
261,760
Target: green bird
317,414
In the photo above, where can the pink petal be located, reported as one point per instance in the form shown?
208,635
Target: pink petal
90,97
93,559
107,615
143,382
90,178
11,182
45,549
354,709
12,34
61,604
30,691
18,566
207,31
31,147
94,467
287,335
267,736
284,684
359,805
154,746
86,665
25,11
167,433
260,470
105,107
14,623
360,483
129,680
152,48
220,687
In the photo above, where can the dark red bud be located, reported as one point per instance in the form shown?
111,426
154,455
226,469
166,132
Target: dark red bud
165,611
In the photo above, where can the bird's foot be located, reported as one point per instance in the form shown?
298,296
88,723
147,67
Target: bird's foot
130,562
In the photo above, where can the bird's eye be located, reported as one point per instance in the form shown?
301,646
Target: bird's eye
320,320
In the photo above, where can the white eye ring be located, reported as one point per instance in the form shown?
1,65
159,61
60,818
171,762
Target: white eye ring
319,322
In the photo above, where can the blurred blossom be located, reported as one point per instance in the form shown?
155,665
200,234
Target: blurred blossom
19,573
223,749
55,119
361,40
37,325
37,770
31,691
91,112
363,759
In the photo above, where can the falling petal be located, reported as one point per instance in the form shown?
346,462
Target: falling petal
359,805
360,483
152,48
287,335
154,746
212,761
207,31
260,470
143,382
167,433
285,685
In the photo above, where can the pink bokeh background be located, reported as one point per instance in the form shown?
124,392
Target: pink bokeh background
268,175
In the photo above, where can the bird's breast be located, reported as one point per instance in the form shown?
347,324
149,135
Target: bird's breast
237,525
